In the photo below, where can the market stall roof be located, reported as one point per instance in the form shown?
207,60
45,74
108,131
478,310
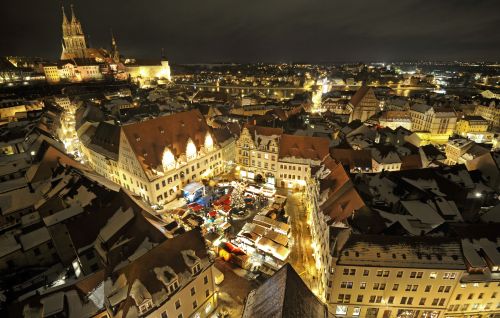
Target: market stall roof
268,222
275,249
193,186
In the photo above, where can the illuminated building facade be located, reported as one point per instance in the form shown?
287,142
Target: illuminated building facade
439,122
406,277
363,104
490,112
156,158
471,124
267,155
146,72
394,119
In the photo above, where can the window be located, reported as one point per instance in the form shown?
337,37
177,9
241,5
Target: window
403,300
352,271
193,291
205,280
195,304
441,301
458,297
400,274
207,293
386,274
379,273
177,304
359,299
427,288
164,314
366,272
362,285
433,275
346,271
344,298
422,301
341,310
390,300
356,311
395,287
435,301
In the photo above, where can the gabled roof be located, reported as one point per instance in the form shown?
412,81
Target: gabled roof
264,131
305,147
145,270
149,138
107,137
361,93
284,295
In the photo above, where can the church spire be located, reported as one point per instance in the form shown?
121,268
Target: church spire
65,19
73,16
115,54
113,41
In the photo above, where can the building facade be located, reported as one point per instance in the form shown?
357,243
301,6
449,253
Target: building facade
440,123
267,155
363,104
490,112
156,158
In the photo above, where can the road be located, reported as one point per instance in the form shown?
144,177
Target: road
301,255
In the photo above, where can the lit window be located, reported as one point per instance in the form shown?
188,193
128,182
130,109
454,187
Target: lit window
209,142
356,311
190,150
341,310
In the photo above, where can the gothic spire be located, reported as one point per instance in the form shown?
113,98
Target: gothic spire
73,16
65,19
113,41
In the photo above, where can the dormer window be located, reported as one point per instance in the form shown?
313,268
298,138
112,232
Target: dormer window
168,159
173,286
190,150
146,306
209,142
196,268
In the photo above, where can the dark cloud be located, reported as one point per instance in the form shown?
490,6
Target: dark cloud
264,30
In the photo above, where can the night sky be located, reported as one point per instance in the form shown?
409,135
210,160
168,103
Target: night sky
263,30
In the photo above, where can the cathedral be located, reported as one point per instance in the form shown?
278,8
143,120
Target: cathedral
74,43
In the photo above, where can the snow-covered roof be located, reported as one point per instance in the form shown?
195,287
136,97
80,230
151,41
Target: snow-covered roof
115,223
8,244
34,238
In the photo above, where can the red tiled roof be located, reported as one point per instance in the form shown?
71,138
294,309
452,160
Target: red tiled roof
315,148
262,130
148,139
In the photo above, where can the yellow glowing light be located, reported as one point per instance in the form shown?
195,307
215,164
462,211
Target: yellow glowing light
190,149
168,159
209,142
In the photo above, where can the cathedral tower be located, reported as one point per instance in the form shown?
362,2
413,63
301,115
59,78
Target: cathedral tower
74,45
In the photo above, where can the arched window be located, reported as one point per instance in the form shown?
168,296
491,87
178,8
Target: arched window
209,142
190,150
168,159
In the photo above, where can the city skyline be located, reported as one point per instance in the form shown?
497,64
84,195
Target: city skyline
266,32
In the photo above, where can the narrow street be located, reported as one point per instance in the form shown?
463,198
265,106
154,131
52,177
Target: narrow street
301,256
